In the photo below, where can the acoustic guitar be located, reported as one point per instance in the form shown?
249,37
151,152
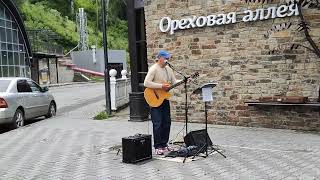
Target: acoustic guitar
155,97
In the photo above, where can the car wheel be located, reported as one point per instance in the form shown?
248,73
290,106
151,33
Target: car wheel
51,111
18,119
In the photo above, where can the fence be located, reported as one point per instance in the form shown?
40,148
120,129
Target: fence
44,41
119,89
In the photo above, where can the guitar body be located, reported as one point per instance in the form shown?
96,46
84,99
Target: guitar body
155,97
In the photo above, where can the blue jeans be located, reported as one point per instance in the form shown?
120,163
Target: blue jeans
161,121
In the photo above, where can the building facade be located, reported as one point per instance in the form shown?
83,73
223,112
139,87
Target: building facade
15,49
252,50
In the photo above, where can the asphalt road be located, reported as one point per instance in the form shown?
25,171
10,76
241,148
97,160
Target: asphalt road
72,97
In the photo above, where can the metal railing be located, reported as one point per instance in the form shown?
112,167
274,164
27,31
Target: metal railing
119,89
44,41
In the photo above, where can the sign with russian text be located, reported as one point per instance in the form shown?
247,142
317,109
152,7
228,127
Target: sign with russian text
169,25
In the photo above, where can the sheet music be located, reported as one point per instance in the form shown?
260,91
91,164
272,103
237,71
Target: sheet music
207,94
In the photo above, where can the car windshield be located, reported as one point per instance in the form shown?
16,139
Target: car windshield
4,85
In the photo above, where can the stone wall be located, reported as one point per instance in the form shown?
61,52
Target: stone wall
237,56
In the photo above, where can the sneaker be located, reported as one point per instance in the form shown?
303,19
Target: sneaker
159,151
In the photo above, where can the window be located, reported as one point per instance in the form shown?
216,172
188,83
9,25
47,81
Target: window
7,15
15,36
5,71
4,57
9,34
11,71
2,34
23,86
2,23
1,11
34,87
10,58
17,71
16,58
22,59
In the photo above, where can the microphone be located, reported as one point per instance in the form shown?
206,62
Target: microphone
167,63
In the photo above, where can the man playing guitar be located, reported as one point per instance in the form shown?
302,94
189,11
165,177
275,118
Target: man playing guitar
161,77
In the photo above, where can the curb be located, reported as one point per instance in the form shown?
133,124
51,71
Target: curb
68,84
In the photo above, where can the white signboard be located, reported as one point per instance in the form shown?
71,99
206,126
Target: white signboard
169,25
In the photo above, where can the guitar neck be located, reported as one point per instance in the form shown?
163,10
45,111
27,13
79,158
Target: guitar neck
175,85
183,81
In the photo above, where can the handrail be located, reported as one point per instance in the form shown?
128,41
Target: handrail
71,50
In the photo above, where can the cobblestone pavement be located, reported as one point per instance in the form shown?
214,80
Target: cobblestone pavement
73,146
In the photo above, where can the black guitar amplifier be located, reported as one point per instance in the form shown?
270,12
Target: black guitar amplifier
136,148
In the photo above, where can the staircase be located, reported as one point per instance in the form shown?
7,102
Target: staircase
73,73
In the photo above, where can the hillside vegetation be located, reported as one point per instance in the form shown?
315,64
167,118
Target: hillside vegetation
60,17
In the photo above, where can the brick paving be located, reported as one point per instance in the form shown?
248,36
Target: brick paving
73,146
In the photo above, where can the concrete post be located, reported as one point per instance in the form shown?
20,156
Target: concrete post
113,82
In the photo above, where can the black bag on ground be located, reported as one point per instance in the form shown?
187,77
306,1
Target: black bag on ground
184,152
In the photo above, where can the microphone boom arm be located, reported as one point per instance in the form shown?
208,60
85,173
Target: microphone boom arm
185,77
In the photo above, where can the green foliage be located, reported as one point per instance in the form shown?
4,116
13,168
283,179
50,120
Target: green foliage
117,9
46,18
64,6
102,115
18,2
119,29
57,16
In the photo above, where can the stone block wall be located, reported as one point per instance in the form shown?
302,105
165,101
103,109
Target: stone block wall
237,56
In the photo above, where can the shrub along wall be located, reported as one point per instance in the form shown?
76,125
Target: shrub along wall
248,58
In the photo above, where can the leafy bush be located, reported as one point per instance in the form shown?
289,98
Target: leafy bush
102,116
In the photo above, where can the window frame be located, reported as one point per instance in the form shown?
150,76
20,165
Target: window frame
24,85
35,85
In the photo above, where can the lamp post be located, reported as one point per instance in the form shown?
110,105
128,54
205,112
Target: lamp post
105,46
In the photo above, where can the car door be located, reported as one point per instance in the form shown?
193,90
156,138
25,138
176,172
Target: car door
26,99
42,104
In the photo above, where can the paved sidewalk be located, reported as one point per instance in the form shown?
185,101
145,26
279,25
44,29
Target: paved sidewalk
73,146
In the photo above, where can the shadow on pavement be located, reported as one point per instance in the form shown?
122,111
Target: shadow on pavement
6,128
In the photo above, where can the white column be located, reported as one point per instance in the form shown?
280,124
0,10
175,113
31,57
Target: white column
94,54
113,82
124,76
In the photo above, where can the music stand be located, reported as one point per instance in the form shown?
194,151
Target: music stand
206,91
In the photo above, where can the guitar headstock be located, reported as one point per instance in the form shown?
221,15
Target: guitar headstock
195,75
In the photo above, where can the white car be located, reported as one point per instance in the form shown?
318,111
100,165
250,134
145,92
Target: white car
22,99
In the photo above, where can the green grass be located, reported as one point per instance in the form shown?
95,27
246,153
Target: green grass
97,79
102,116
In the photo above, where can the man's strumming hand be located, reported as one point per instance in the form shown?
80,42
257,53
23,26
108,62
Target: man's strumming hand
165,86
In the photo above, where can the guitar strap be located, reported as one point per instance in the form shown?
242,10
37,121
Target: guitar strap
167,76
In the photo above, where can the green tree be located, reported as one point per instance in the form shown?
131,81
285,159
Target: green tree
57,16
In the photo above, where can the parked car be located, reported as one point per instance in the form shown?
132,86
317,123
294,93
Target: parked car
22,99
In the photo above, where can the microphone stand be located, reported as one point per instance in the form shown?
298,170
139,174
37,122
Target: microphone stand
185,78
